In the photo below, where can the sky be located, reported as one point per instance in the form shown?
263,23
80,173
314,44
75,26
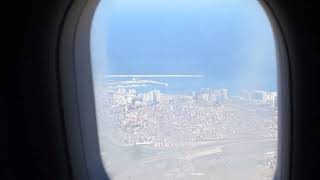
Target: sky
217,43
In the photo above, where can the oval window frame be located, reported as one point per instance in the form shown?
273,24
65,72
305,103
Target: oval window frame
78,103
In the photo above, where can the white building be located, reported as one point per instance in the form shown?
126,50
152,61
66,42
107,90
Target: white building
272,98
261,96
121,91
119,98
258,96
132,91
224,93
123,97
146,97
152,96
212,96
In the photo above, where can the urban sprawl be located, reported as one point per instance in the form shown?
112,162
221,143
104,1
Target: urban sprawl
160,122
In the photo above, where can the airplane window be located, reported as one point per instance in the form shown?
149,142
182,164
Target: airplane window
185,89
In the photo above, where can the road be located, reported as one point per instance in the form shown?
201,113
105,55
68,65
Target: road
238,160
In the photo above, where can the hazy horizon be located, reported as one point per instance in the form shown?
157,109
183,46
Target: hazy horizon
178,46
228,42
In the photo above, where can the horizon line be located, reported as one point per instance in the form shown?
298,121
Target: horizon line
155,75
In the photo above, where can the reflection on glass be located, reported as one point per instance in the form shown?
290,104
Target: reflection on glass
185,89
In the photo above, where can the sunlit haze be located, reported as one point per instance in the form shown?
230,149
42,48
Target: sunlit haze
185,89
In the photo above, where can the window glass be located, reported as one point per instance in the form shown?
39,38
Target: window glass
185,89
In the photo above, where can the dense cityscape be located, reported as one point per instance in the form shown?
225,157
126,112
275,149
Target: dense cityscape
194,135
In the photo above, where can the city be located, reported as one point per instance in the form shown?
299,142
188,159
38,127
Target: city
194,135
